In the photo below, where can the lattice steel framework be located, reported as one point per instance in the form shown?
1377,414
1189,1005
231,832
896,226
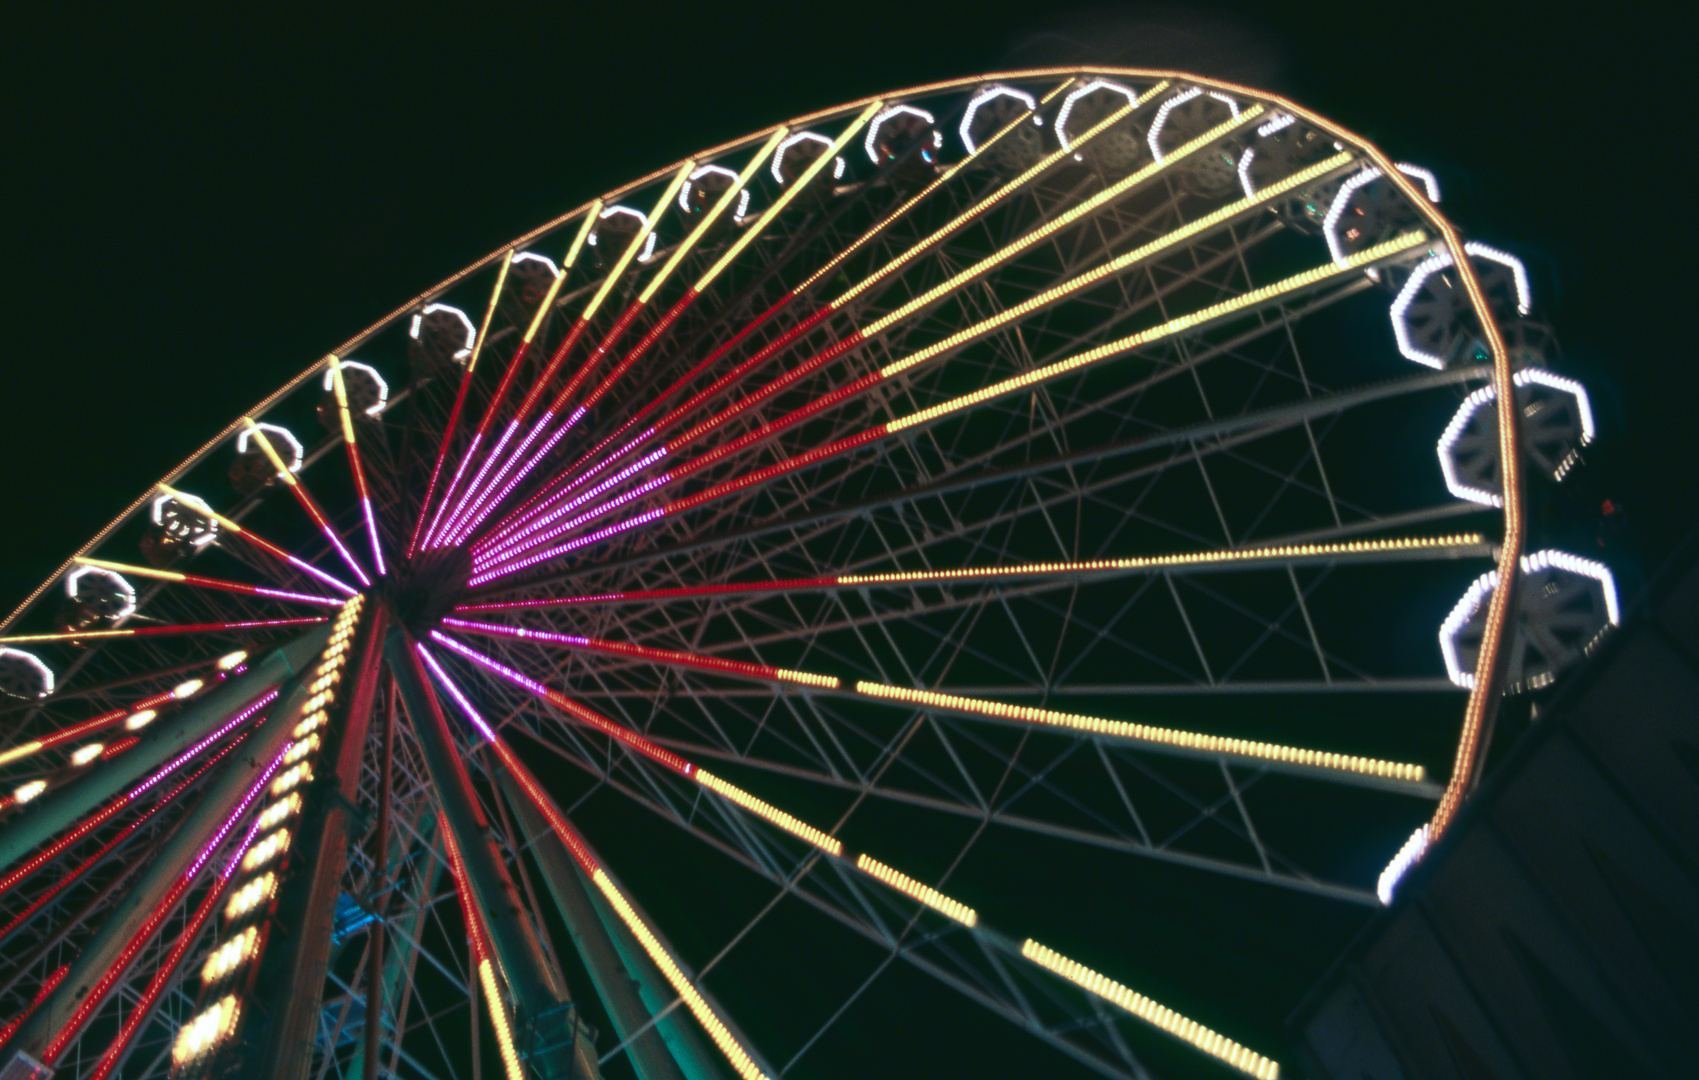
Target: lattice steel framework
884,537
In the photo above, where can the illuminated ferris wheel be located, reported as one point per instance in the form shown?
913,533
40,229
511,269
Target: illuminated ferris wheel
821,585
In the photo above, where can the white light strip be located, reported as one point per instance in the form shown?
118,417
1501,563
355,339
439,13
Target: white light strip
985,95
1080,92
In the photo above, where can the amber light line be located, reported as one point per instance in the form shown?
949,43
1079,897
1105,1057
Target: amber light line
477,936
1210,1042
1165,1019
354,464
515,561
305,498
459,403
1146,733
204,582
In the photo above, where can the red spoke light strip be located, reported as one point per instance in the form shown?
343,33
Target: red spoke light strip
112,808
434,537
1045,569
305,498
48,985
109,979
354,464
736,1054
482,959
260,542
749,235
724,203
459,403
858,336
149,631
128,831
104,720
1164,1019
513,563
456,530
642,652
205,582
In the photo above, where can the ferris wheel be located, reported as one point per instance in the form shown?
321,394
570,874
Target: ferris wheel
840,581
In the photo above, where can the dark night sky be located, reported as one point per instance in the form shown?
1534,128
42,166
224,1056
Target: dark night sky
200,204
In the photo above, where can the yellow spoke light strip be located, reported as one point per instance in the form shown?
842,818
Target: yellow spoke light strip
572,251
478,938
729,1045
642,234
943,178
790,192
1168,329
830,844
1062,221
1120,263
489,311
1210,1042
724,203
926,894
1154,562
1189,740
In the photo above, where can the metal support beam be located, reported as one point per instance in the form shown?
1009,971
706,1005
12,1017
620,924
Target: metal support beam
627,981
295,965
533,985
229,783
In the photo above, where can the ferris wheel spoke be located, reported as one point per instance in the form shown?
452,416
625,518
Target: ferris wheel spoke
1439,547
464,516
153,631
1349,768
514,561
737,189
1201,1038
260,542
451,425
355,465
206,582
870,331
545,307
302,496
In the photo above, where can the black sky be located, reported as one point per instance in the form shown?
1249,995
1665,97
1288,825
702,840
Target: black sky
202,202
